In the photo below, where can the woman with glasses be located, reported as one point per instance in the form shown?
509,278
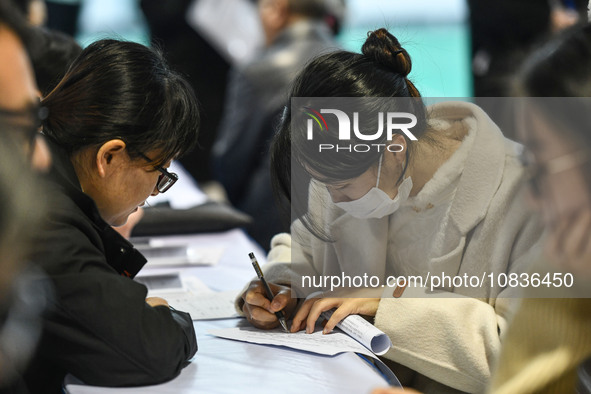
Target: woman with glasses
20,114
550,337
115,122
441,199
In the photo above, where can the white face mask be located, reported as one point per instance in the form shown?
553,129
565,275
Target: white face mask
376,203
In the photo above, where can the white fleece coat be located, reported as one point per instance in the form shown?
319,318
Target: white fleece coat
450,343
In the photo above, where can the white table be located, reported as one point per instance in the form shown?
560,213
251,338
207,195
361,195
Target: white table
225,366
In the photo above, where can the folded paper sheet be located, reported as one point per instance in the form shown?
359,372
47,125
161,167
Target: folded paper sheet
359,336
364,332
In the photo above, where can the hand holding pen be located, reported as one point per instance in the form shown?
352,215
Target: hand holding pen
262,302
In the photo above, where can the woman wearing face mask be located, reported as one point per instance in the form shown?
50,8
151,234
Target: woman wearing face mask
448,203
115,121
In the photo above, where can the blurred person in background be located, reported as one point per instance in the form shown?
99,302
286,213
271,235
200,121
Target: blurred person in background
505,31
502,33
22,298
295,32
21,148
51,53
192,55
549,338
62,15
34,11
19,99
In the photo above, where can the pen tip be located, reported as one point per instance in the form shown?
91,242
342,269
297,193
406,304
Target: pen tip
251,255
284,325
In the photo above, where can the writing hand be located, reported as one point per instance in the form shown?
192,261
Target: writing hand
259,311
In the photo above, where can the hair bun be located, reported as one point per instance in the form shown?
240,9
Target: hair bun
384,49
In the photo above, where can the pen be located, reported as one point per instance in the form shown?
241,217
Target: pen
270,295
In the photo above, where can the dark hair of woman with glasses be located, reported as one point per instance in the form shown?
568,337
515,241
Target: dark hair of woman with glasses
115,122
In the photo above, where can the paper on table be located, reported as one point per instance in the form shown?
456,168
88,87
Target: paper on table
191,295
364,332
177,255
171,282
329,344
359,336
161,282
204,306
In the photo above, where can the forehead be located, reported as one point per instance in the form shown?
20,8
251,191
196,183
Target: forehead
17,84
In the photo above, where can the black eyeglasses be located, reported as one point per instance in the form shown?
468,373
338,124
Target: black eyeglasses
23,124
166,179
553,166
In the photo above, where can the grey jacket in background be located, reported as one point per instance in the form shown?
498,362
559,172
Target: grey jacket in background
256,95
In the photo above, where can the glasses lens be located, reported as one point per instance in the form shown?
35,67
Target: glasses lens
23,125
19,125
166,181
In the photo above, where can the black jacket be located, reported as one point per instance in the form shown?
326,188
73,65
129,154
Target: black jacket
98,327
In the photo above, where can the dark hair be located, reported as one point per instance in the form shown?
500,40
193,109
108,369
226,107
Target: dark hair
116,89
561,68
544,72
380,71
315,9
23,6
51,54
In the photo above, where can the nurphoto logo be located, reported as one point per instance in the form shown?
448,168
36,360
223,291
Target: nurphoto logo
389,122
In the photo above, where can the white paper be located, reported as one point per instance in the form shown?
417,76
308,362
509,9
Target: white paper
203,306
191,295
328,344
364,332
195,285
161,282
231,26
171,282
159,255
